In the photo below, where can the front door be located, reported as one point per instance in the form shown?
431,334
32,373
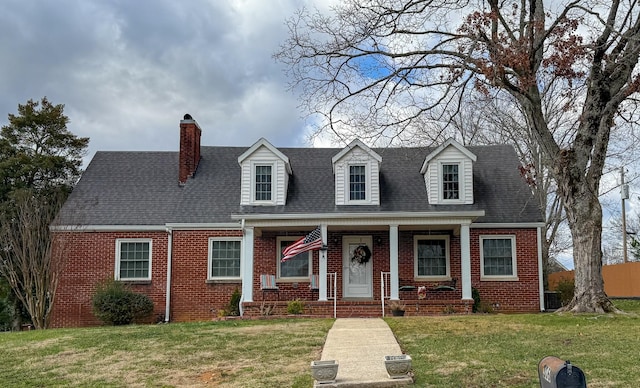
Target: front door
357,267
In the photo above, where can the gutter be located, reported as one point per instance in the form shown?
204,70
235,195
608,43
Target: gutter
167,302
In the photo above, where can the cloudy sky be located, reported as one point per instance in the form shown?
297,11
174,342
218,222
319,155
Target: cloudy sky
127,71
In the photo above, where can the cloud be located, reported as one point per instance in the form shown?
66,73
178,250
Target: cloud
127,71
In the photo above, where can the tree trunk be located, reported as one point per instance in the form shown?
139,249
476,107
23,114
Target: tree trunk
584,215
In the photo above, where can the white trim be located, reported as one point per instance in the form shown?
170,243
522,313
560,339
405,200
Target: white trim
119,242
367,184
206,226
540,270
514,259
355,143
109,228
167,301
210,258
512,225
442,147
447,241
279,240
311,217
252,184
262,142
146,228
461,186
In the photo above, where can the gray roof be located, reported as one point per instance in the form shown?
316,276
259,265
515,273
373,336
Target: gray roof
141,188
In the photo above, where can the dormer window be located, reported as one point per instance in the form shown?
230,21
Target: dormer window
356,171
263,182
265,175
357,183
450,181
448,174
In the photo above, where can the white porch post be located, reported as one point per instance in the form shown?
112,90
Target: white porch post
246,266
393,262
322,264
465,255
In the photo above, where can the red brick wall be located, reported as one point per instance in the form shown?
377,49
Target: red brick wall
510,296
91,258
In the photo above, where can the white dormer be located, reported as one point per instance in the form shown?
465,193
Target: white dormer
356,170
448,174
265,175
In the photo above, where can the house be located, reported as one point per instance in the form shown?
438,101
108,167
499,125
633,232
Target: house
189,228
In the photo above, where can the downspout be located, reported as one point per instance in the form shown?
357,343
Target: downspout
167,302
240,307
540,270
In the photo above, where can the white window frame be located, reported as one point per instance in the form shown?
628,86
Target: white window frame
446,238
367,184
210,258
514,259
279,241
258,163
119,242
461,188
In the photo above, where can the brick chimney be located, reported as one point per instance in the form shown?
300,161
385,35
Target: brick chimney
189,148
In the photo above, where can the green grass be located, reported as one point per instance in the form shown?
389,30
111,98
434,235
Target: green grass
447,351
504,350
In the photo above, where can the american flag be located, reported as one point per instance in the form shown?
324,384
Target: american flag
308,243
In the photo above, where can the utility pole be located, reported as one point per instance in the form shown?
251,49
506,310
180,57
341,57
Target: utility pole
624,194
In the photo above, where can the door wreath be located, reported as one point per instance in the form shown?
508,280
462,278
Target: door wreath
361,254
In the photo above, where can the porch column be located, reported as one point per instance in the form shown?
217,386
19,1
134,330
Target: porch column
465,256
322,264
246,266
393,262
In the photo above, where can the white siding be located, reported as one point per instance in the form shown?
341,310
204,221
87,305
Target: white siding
357,156
433,176
280,177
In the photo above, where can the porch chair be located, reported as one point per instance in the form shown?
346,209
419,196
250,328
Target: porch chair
314,283
268,283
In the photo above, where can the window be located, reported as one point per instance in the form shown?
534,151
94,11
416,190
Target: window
357,183
450,181
224,258
133,259
296,267
432,256
498,257
263,183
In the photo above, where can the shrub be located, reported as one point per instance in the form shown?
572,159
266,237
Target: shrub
566,289
475,294
295,307
115,304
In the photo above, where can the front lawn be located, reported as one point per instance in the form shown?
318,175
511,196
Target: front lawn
447,351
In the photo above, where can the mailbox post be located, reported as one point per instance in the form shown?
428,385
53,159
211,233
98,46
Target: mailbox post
556,373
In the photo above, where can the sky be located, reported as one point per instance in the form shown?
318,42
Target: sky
128,71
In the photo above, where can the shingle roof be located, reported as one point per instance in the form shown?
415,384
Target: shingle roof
141,188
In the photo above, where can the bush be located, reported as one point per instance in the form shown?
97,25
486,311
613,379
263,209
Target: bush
566,289
115,304
475,294
295,307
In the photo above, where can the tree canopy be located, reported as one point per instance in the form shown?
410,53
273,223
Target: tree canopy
383,69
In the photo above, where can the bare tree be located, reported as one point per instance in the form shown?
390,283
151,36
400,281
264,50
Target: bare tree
27,259
378,68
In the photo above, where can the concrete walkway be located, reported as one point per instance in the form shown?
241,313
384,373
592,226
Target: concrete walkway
359,345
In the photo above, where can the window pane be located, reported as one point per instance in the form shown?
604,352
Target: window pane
432,257
134,260
297,266
357,183
450,181
263,183
225,259
498,260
